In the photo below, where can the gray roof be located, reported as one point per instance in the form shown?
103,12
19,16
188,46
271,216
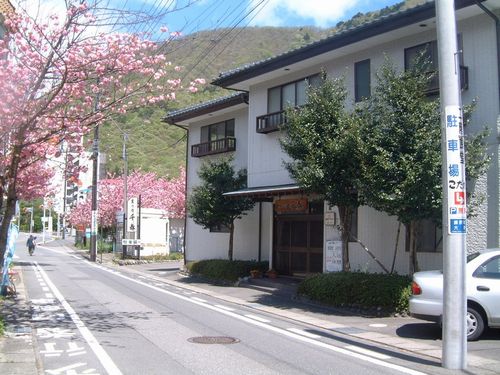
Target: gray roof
383,24
206,107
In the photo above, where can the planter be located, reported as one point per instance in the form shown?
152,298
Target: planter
272,274
255,274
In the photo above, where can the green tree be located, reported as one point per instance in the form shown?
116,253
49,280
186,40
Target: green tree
322,139
402,150
208,207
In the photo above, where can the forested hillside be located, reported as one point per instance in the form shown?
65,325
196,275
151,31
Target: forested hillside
153,145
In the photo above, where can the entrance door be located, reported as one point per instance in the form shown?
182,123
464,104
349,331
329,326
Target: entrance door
298,244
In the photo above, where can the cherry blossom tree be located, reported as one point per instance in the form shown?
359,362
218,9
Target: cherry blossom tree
156,192
59,79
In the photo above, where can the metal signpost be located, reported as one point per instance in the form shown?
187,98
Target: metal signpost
454,203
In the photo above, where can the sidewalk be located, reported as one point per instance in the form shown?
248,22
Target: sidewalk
18,349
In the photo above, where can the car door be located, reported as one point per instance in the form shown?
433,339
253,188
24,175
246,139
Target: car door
485,288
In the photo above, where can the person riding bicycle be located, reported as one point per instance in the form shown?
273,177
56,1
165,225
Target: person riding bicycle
31,244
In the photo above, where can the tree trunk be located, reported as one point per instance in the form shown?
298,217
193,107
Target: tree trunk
10,203
396,248
412,230
345,214
231,237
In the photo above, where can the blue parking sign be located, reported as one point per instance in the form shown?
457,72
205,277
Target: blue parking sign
458,226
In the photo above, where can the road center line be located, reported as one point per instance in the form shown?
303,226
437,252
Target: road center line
99,351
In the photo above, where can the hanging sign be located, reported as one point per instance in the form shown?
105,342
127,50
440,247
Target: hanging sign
289,206
455,171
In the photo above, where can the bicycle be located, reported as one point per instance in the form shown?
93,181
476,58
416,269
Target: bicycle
10,288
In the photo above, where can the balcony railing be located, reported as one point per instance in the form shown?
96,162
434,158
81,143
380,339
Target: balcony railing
433,87
270,122
213,147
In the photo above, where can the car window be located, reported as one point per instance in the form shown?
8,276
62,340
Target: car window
472,256
489,269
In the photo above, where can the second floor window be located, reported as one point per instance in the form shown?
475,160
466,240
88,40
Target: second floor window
293,94
362,85
220,130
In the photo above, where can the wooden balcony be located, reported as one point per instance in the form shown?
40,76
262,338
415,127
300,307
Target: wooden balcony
213,147
270,122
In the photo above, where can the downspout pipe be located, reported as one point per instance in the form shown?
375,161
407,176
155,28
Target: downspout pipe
497,28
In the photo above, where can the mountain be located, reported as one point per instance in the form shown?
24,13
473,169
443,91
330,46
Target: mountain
155,146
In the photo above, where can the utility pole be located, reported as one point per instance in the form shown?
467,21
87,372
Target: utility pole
65,184
125,193
95,167
454,204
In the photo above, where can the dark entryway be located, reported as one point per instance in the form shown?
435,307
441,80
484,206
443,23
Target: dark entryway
298,242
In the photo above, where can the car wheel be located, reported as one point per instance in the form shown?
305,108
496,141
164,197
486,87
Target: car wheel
475,324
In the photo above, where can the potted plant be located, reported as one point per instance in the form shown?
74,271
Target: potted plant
255,274
272,274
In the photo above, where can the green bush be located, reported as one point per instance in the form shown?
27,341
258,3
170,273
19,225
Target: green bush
225,270
2,325
387,293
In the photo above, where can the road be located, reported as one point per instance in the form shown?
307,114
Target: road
92,319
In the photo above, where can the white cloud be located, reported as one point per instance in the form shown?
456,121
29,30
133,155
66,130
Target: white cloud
321,13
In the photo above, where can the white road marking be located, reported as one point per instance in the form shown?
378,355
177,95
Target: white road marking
50,350
304,333
371,353
272,328
225,307
258,318
101,354
377,325
66,369
199,299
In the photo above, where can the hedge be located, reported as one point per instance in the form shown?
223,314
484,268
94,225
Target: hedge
385,293
225,270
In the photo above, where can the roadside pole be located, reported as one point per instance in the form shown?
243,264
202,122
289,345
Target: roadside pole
454,354
95,167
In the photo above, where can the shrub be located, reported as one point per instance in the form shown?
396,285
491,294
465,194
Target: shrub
388,293
225,270
2,326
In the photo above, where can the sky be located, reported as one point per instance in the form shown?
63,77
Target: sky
188,16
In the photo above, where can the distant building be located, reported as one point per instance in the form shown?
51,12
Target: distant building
293,230
5,8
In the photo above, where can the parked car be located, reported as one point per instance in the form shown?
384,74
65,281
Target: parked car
483,293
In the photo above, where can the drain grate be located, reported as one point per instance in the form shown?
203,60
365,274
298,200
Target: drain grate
213,340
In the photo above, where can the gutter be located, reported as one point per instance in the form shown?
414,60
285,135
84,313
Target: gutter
497,27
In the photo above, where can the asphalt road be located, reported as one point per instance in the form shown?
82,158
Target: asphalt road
92,319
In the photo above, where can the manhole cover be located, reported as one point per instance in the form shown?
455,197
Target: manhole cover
213,340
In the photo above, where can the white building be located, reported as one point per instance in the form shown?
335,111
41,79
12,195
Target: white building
291,229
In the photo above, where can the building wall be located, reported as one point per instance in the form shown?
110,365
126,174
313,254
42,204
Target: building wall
376,230
479,48
201,243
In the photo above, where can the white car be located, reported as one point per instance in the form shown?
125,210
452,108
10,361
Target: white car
483,293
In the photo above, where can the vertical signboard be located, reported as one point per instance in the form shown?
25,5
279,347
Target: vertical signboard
333,256
455,170
132,215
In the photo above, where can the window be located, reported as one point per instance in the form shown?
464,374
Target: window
429,237
292,94
217,131
425,53
362,85
219,228
489,269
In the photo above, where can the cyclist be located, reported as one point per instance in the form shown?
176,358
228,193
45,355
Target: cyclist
31,244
